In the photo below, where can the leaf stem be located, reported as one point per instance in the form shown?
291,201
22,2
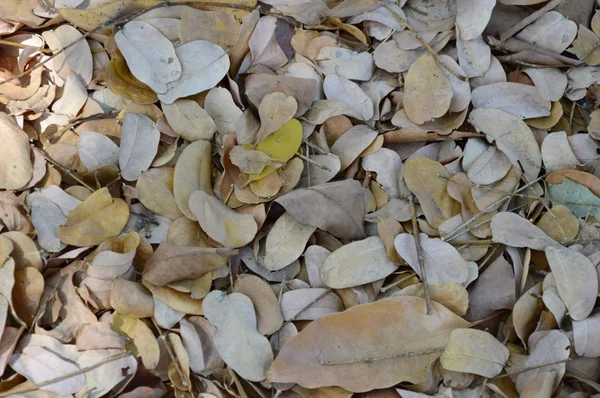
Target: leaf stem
415,232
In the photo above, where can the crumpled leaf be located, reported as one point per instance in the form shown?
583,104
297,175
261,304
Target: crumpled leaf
320,356
474,351
98,218
229,228
356,263
236,338
335,207
576,280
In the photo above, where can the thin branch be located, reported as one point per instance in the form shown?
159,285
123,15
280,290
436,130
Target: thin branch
21,45
415,232
510,32
307,306
422,41
482,242
309,160
171,353
399,281
36,386
317,148
402,135
66,171
532,368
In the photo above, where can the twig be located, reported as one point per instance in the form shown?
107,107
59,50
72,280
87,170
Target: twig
422,41
36,386
317,148
415,232
404,355
532,368
309,160
452,234
184,380
307,306
482,242
399,281
401,135
510,32
66,171
20,45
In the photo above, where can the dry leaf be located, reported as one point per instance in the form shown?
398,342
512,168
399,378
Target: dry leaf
424,178
576,280
474,351
585,336
275,110
541,32
145,344
341,89
96,150
352,143
293,304
449,294
489,167
15,170
516,231
517,99
356,263
96,219
215,26
139,145
550,83
266,305
236,338
250,161
221,108
560,224
77,58
192,173
319,356
220,223
285,242
155,191
131,298
474,56
189,120
428,91
352,65
556,152
472,16
264,44
198,339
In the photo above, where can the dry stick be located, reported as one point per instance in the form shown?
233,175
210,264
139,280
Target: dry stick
399,281
172,355
307,306
422,41
20,45
452,234
317,148
66,171
532,368
510,32
121,20
415,232
36,386
309,160
401,136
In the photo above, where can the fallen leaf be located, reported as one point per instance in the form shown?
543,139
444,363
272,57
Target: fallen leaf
427,92
121,81
189,120
103,378
285,242
150,56
355,361
27,292
353,65
77,58
144,343
198,339
192,173
512,136
224,112
474,56
250,161
474,351
539,33
139,145
357,263
215,26
560,224
423,177
264,44
236,338
155,191
281,146
449,294
74,90
516,231
220,223
576,280
442,262
520,100
352,143
294,303
96,219
550,83
341,89
15,170
585,336
472,17
489,167
260,84
96,150
527,312
268,314
131,299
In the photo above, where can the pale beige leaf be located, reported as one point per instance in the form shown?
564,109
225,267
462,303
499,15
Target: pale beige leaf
96,150
427,90
474,351
155,191
309,12
489,167
139,145
594,125
555,305
474,56
150,56
550,83
341,89
166,317
514,230
461,97
313,260
357,263
441,260
304,90
25,252
192,172
541,386
266,305
388,166
425,178
27,292
73,97
406,336
553,347
294,301
586,335
198,339
352,143
314,175
250,161
542,32
16,168
557,154
576,280
189,120
520,100
285,242
220,223
224,112
527,311
472,16
100,335
215,26
77,58
203,65
101,380
353,65
512,136
449,294
275,110
336,207
263,44
236,339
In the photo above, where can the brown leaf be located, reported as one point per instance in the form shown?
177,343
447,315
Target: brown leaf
268,313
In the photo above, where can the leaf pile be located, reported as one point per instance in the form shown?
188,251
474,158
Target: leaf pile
315,198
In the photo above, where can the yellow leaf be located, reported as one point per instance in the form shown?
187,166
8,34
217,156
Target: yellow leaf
92,18
98,218
120,81
144,342
281,145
